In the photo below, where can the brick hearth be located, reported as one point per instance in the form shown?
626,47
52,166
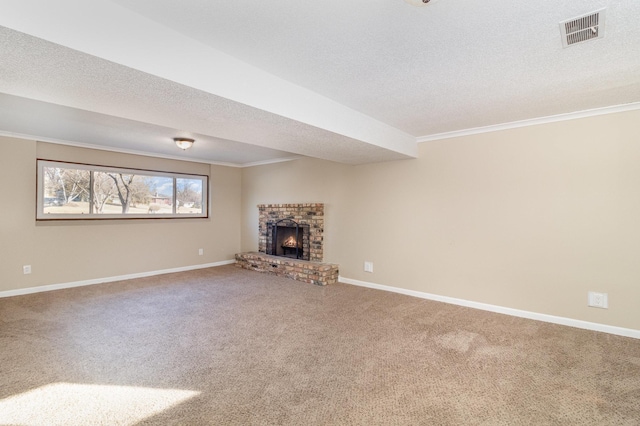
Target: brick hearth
300,270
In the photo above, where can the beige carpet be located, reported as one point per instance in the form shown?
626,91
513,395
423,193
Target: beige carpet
225,346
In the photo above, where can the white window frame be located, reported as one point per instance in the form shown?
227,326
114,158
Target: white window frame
41,215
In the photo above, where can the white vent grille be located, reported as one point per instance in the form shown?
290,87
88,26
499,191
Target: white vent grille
582,28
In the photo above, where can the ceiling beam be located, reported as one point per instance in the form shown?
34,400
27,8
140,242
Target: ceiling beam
108,31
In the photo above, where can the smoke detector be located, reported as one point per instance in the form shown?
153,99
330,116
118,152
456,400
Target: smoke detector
420,3
582,28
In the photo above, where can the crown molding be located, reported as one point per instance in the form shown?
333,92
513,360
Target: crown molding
531,122
274,161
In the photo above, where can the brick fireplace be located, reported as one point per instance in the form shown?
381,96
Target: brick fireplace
290,244
310,216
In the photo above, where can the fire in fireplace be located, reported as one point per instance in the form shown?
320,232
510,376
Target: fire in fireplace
288,238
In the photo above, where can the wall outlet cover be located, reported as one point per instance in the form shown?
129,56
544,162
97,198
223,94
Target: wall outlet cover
598,300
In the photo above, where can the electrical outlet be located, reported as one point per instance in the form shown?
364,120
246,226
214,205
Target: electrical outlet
368,266
26,269
598,300
200,252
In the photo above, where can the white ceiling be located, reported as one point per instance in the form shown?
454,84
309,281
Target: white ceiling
351,81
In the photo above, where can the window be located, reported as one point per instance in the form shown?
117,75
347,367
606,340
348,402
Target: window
83,191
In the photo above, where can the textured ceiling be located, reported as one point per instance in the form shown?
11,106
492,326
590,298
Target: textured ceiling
106,104
352,81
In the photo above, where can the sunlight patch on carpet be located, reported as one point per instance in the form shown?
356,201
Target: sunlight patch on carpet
82,404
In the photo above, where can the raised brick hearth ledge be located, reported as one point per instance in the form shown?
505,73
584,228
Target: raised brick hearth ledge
299,270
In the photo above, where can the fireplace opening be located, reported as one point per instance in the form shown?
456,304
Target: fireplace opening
288,238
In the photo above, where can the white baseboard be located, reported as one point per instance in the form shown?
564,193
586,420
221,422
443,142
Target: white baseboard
50,287
620,331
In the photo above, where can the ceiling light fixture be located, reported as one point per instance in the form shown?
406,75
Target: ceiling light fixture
419,2
184,143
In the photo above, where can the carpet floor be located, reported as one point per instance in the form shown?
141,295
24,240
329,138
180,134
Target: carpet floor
225,346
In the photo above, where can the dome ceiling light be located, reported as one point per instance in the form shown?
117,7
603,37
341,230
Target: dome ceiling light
184,143
420,3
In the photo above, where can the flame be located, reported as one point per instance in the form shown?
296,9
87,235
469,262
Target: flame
290,242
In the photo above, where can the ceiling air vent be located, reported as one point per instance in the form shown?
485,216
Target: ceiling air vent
582,28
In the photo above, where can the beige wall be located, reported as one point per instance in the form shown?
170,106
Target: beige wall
530,218
62,252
